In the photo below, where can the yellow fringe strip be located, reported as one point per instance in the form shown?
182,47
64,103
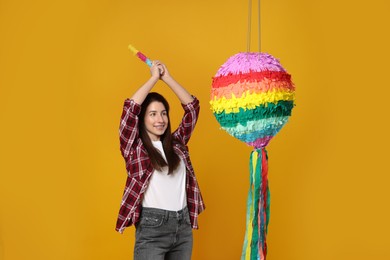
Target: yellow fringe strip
249,101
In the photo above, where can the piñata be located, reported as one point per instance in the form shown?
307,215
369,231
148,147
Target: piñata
252,97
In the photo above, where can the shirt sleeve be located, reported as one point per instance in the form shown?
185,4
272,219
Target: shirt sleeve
128,129
189,120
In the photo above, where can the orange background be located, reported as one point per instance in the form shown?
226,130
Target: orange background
65,70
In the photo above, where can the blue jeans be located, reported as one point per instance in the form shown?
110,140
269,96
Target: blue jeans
163,235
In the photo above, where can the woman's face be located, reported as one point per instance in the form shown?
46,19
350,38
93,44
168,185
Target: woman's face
156,120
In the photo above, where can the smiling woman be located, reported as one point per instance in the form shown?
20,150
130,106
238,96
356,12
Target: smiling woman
155,119
155,125
161,197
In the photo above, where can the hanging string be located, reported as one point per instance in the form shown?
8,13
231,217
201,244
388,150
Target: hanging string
248,47
259,24
250,25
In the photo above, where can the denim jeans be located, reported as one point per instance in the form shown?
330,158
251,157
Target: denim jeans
163,235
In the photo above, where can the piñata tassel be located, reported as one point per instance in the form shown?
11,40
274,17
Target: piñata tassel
257,218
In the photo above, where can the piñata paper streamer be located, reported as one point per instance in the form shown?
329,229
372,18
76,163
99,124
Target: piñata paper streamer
252,97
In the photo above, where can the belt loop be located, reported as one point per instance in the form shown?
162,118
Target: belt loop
166,215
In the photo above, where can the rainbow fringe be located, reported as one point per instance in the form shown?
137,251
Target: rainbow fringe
257,218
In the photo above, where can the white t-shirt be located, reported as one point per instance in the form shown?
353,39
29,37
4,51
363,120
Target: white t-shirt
166,191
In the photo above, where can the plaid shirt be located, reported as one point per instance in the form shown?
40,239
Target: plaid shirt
139,167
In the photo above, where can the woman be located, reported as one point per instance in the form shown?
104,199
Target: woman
161,197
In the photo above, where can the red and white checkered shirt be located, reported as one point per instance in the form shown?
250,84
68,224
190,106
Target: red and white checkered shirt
139,167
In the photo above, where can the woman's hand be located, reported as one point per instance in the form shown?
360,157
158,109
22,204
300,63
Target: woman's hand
165,75
157,70
140,95
183,95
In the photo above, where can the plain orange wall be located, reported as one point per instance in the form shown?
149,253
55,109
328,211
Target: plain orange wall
65,70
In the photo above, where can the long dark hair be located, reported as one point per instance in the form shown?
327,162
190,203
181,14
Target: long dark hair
156,158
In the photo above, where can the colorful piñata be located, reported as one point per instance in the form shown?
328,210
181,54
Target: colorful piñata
252,97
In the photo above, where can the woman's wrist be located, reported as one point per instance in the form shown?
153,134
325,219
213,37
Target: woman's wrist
167,78
155,78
